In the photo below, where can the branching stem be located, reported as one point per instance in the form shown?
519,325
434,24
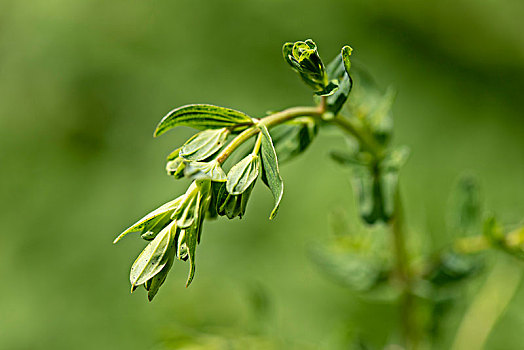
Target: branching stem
269,121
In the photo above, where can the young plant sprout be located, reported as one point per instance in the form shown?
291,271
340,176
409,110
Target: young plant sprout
363,115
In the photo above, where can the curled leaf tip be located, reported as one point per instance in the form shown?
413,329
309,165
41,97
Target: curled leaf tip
347,50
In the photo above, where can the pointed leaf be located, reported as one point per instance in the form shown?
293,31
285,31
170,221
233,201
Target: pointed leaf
204,144
140,224
271,172
153,227
156,282
242,174
193,233
202,116
151,260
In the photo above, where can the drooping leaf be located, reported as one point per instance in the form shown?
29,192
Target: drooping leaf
151,260
244,198
271,173
215,190
154,284
205,170
193,232
204,144
202,116
242,174
140,224
230,207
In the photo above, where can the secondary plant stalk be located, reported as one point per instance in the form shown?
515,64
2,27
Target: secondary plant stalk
403,275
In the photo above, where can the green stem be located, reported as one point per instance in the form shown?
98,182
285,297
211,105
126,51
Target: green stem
269,121
258,143
403,275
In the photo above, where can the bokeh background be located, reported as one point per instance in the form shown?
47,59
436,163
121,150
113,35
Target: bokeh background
82,86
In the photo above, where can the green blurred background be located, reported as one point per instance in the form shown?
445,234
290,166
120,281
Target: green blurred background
83,84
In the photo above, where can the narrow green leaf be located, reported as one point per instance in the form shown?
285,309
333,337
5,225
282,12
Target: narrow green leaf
215,190
242,174
153,227
156,282
151,260
271,172
204,144
202,116
193,233
140,224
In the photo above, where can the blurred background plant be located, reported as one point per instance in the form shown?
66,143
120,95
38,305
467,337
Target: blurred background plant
80,84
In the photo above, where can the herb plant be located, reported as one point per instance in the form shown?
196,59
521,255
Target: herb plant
362,259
